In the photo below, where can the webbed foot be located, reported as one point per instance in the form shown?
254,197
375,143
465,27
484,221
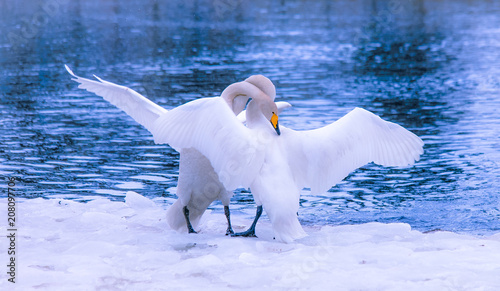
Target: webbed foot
229,231
248,233
251,231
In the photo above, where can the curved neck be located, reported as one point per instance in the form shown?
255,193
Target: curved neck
255,118
264,84
236,95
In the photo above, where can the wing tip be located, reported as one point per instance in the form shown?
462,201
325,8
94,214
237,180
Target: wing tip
79,79
70,71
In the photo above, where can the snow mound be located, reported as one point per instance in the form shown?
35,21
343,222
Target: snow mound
105,245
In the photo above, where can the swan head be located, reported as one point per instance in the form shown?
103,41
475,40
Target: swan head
268,109
257,88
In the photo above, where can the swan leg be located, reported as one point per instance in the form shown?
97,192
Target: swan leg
186,215
251,231
229,227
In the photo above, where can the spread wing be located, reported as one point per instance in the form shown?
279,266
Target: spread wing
141,109
323,157
209,125
206,124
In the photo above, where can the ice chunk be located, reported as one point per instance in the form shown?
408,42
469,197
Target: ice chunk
67,245
138,201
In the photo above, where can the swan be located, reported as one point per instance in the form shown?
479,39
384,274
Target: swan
276,162
198,184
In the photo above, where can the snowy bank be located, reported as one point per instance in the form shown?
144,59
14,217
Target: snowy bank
105,245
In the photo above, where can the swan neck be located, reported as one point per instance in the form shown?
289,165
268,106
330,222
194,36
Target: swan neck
255,118
264,84
236,95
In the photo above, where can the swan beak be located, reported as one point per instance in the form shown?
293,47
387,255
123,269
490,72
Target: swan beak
274,122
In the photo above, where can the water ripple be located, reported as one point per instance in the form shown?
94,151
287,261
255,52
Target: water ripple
431,66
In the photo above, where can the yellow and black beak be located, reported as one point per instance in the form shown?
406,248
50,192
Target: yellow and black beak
274,122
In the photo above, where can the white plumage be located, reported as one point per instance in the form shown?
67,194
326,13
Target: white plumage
141,109
323,157
198,184
276,167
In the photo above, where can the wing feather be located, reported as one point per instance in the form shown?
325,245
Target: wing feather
141,109
323,157
209,125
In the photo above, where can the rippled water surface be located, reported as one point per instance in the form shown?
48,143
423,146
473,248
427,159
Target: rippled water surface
431,66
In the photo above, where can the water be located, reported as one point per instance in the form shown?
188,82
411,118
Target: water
431,66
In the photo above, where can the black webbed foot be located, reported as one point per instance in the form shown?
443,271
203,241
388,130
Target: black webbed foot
248,233
251,231
229,231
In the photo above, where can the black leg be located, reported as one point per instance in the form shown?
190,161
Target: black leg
251,231
229,227
186,215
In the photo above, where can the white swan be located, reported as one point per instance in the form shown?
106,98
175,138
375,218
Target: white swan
276,167
198,184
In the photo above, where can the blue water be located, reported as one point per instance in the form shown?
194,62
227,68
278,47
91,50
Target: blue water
431,66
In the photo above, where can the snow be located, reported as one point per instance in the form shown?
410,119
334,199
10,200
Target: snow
109,245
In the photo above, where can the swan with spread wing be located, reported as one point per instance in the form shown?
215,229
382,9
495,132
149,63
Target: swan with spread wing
277,162
198,184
